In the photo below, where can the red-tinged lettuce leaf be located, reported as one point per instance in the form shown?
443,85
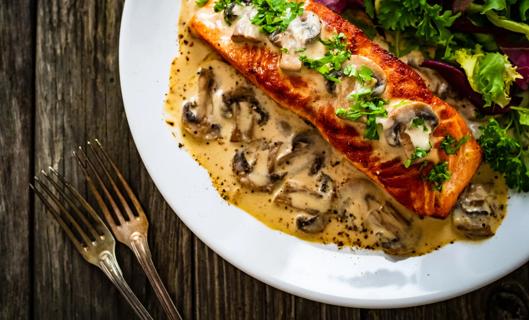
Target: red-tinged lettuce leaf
523,83
519,56
460,5
457,79
339,6
459,82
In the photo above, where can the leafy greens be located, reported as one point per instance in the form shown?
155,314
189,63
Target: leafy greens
491,74
505,154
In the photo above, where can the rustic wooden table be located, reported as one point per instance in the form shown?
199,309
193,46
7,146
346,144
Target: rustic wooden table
59,86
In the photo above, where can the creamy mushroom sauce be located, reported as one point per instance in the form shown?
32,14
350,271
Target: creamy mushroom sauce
314,187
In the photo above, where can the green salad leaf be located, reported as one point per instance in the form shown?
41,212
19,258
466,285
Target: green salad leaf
522,9
491,74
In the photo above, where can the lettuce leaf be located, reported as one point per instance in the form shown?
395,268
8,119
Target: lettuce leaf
490,74
468,62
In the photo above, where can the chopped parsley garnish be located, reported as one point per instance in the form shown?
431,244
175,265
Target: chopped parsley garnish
417,154
275,15
505,155
201,3
363,73
419,122
450,144
370,107
330,65
226,6
439,175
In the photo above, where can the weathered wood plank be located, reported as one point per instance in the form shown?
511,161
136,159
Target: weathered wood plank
68,53
78,98
17,44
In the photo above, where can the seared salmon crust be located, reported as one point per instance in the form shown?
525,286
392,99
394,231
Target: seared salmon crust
259,64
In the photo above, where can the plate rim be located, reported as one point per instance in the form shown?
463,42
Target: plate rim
273,281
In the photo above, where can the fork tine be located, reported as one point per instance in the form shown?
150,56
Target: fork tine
112,182
91,211
63,184
87,163
91,184
62,212
122,179
56,215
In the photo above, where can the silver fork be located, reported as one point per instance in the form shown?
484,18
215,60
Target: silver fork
130,229
91,238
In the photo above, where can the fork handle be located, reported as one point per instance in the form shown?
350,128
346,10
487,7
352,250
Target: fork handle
109,265
140,247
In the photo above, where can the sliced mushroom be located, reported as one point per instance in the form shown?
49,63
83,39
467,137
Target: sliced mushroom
195,115
395,233
253,167
474,213
311,223
299,33
379,81
314,196
244,29
305,150
290,62
242,105
398,128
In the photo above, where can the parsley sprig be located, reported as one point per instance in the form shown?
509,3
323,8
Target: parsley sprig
428,23
450,144
370,107
505,155
438,175
330,65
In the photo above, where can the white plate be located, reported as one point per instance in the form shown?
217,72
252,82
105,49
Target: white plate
148,43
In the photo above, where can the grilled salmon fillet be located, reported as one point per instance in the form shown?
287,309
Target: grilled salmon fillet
259,64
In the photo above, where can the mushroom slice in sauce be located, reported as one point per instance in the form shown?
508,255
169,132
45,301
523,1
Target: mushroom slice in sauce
379,81
242,105
244,29
311,223
195,115
253,168
299,33
313,196
304,151
474,213
395,233
400,130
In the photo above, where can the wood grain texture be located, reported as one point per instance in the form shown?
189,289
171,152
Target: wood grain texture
16,121
60,61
